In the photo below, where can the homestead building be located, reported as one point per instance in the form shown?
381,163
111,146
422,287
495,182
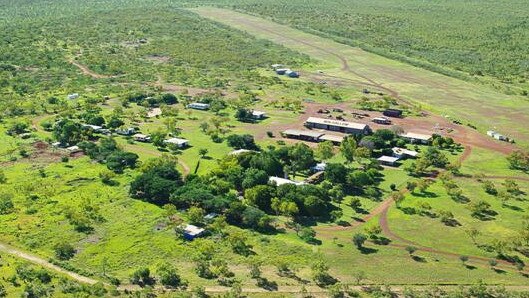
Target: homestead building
341,126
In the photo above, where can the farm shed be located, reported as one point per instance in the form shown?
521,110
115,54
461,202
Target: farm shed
382,120
141,137
417,137
341,126
336,140
280,181
305,135
392,113
401,153
388,160
198,106
191,232
180,143
282,71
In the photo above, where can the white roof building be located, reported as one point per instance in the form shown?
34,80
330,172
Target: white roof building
388,160
412,136
177,141
319,167
73,149
198,106
258,114
280,181
400,152
240,151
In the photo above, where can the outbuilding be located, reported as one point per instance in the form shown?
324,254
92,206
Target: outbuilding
402,153
191,232
280,181
141,137
126,131
382,120
497,136
388,160
73,149
258,115
392,113
73,96
180,143
305,135
198,106
282,71
336,140
292,74
417,137
341,126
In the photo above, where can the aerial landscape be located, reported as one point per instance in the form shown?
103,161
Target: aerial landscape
264,148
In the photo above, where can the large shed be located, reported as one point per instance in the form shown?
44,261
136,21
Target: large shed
341,126
305,135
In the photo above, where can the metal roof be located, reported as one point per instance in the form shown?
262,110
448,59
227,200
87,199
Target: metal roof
345,124
307,133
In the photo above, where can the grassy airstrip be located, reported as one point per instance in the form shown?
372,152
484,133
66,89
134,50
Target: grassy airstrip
470,103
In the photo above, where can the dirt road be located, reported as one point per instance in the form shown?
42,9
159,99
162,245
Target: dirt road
42,262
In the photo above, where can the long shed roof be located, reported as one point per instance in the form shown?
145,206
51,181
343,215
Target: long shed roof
337,123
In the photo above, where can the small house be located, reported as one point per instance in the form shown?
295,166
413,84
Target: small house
141,137
258,115
280,181
305,135
402,153
126,131
210,216
282,71
392,113
388,160
198,106
191,232
73,96
417,137
180,143
382,120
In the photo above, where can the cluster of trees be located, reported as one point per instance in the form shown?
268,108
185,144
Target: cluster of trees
150,100
246,174
519,160
109,153
166,274
432,157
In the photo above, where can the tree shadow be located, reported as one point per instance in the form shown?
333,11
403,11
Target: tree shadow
408,210
512,207
367,250
499,271
418,259
426,194
381,240
266,284
343,223
358,219
471,267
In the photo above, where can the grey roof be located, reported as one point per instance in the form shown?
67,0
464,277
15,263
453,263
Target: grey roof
307,133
